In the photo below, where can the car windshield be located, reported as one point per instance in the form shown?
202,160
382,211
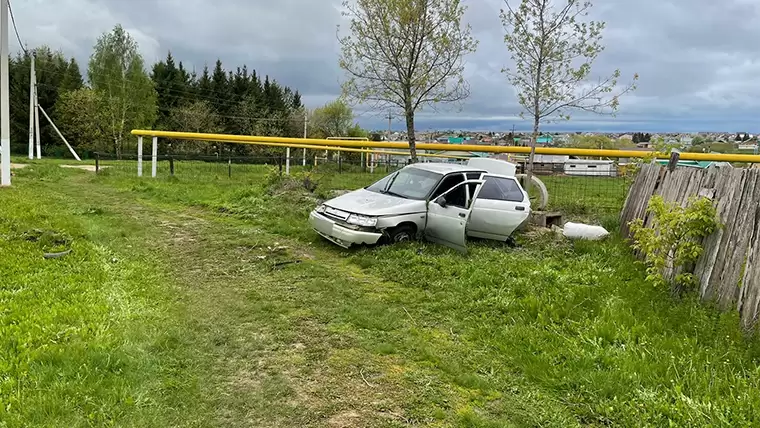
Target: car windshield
409,183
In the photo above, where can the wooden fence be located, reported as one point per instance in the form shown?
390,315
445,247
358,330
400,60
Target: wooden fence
729,268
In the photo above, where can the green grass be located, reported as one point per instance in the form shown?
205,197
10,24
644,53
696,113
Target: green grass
191,301
586,195
84,341
579,197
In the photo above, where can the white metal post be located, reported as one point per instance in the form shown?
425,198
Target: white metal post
287,161
37,120
5,120
139,155
154,159
31,109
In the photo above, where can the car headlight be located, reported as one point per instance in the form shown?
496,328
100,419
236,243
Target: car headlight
361,220
320,209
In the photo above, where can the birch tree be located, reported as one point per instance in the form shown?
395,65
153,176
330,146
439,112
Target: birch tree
405,55
334,119
127,98
553,48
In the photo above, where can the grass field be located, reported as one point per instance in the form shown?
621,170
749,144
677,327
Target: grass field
573,195
192,302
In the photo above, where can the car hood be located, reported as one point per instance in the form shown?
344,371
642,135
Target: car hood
375,204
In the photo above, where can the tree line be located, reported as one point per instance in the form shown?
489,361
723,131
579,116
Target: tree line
119,94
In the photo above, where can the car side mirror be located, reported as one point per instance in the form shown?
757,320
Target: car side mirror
441,200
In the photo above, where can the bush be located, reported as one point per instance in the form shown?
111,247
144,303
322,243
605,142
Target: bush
673,241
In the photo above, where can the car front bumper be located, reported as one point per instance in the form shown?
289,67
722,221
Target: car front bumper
341,235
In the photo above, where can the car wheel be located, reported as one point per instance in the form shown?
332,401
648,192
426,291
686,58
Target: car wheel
400,234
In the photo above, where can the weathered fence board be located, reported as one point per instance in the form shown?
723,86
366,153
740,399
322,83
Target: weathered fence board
729,268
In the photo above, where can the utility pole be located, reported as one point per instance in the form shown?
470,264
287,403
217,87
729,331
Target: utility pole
37,119
389,125
5,123
31,109
388,157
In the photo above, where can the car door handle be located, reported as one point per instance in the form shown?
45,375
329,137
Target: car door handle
463,215
518,208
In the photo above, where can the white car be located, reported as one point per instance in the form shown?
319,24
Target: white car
443,202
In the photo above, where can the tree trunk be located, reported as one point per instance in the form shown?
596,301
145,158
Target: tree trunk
410,135
116,147
533,139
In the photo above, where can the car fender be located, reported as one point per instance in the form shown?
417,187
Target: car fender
387,222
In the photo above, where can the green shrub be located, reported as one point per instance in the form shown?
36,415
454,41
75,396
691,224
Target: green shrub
674,239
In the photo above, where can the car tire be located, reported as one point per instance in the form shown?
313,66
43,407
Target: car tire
399,234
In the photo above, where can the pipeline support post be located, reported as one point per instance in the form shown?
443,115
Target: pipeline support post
139,155
287,161
154,158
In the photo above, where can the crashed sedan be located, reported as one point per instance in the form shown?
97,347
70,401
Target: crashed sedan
442,202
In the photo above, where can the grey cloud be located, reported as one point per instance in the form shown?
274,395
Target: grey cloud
697,58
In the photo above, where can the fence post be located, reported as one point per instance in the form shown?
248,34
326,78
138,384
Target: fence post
154,158
675,155
97,162
340,165
229,167
139,155
171,165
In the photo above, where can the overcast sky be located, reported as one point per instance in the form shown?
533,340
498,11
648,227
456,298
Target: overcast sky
698,60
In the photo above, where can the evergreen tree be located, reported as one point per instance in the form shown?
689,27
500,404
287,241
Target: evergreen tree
296,104
173,89
203,85
72,78
171,97
219,89
52,70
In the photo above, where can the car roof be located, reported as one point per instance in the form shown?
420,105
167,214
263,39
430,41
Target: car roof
444,168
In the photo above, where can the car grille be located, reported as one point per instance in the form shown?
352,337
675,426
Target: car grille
337,215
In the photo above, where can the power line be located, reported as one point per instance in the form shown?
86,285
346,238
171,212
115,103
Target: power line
15,29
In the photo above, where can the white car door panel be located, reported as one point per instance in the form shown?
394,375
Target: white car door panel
499,209
447,224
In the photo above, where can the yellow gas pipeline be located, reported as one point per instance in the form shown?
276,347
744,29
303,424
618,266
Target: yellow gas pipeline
311,142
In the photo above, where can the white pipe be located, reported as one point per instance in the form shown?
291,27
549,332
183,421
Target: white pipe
287,161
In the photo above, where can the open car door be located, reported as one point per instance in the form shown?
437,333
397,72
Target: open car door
447,221
501,206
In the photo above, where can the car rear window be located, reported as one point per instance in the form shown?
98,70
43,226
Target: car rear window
501,189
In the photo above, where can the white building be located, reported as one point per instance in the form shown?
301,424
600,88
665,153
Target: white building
598,168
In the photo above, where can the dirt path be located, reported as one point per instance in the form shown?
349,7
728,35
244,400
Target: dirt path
262,310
